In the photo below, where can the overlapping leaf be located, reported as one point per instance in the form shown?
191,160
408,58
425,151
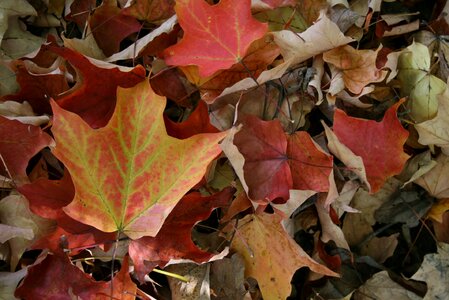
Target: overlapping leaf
380,144
275,162
215,37
130,174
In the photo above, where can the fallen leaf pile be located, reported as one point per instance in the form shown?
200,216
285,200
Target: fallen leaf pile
231,149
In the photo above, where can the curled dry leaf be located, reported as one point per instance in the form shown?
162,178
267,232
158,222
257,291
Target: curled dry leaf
358,66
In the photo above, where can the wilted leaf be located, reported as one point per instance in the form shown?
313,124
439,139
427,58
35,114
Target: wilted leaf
265,247
174,239
358,66
197,285
140,172
417,82
215,37
380,144
380,286
14,211
436,181
227,277
434,272
9,282
436,130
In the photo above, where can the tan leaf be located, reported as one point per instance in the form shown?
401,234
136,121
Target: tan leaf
436,130
271,256
434,272
358,66
436,181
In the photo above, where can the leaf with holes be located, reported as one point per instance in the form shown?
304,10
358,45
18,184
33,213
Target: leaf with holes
130,174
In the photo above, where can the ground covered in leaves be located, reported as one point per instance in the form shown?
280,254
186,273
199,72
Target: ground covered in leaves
233,149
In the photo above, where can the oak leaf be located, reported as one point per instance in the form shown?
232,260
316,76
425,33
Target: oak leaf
271,256
130,174
215,37
358,66
174,239
379,144
276,163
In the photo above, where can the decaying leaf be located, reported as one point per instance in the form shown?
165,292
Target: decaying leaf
263,243
417,82
358,66
435,131
140,172
434,272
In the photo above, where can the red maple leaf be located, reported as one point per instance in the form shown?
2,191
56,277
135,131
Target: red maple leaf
276,162
215,37
380,144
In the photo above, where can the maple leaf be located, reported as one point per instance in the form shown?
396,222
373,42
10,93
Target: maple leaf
358,66
94,95
130,174
174,239
265,245
260,54
275,162
215,37
380,144
109,18
19,143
